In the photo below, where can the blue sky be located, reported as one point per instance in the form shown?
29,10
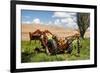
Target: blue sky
56,18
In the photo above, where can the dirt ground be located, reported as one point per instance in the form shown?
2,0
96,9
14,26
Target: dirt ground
58,31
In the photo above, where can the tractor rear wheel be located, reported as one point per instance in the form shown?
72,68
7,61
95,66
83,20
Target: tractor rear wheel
52,46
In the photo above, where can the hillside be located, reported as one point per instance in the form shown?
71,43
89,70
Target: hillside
58,31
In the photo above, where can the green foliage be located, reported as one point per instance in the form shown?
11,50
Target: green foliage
29,47
28,53
84,50
42,57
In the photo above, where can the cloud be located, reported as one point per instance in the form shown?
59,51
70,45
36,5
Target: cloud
50,22
57,21
59,14
36,21
26,17
67,20
72,25
63,14
26,22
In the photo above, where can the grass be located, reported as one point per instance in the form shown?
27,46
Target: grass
28,53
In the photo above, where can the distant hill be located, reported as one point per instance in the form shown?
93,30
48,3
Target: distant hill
58,31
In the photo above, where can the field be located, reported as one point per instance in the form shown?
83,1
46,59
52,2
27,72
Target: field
29,54
58,31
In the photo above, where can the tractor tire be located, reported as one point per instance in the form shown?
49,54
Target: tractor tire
53,46
47,51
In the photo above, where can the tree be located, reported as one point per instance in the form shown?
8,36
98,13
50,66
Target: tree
83,21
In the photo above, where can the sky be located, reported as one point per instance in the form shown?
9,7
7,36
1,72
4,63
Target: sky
54,18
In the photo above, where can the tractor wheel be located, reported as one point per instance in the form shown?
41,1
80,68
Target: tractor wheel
47,51
69,50
53,46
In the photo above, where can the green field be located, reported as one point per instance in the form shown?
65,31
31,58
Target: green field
28,53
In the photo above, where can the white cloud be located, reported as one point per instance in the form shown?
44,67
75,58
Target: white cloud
59,14
26,17
74,19
26,22
63,14
36,21
67,20
50,22
72,25
71,13
57,21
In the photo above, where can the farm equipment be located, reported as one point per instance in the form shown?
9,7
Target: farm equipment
54,45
